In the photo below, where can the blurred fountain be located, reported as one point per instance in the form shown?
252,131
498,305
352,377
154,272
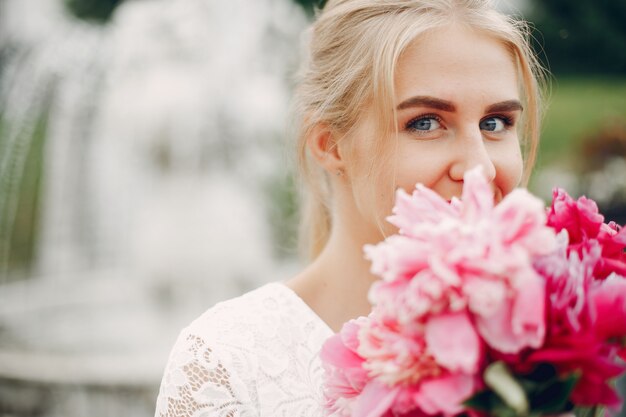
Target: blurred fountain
162,130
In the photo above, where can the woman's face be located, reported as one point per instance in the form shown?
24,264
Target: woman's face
457,106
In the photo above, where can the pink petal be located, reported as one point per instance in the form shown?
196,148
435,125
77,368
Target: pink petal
423,206
454,343
517,325
579,217
477,195
397,257
445,395
375,400
350,333
609,307
529,311
613,239
485,295
607,266
523,220
587,393
335,352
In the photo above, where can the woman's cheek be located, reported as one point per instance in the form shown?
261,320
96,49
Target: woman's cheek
509,167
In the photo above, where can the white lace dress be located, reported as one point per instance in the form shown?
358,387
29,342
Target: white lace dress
255,355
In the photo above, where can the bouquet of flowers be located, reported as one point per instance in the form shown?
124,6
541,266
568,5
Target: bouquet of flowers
505,310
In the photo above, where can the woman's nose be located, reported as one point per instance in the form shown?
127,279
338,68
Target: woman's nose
471,151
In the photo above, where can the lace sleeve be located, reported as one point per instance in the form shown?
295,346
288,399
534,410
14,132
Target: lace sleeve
199,381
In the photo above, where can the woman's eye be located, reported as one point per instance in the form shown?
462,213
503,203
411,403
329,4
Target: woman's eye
494,124
424,124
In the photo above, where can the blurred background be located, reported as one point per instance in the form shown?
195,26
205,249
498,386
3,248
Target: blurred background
145,173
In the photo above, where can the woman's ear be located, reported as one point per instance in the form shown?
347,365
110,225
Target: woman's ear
322,144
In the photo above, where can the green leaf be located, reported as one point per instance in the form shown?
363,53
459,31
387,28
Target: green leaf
554,397
503,410
489,402
499,378
584,411
481,401
544,390
595,411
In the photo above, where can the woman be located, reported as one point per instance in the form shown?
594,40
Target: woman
394,93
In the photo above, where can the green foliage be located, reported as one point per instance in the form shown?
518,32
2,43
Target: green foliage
579,107
93,10
488,402
310,5
546,391
581,36
589,411
19,229
101,10
283,214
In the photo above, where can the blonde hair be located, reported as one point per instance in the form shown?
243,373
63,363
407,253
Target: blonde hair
354,48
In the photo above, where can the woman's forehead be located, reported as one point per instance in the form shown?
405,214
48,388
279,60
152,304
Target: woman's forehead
453,62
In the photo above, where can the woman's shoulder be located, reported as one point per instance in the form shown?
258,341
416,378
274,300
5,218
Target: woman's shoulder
243,353
269,321
261,311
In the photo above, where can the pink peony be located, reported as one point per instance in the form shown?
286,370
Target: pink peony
608,303
466,283
608,310
376,369
582,221
345,376
466,255
585,314
587,310
612,237
394,354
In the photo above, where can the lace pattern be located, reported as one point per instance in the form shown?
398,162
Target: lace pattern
255,355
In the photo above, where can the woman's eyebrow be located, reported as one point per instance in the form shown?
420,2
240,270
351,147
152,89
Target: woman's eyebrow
504,106
444,105
427,101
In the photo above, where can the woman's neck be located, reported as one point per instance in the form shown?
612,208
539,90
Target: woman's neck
336,284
